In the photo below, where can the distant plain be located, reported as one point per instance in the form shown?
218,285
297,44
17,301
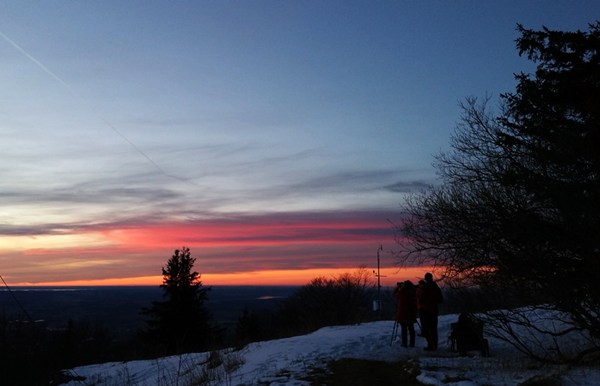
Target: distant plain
117,309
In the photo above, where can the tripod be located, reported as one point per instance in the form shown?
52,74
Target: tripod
395,331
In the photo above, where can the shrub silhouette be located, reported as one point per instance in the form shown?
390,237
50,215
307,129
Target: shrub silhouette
327,302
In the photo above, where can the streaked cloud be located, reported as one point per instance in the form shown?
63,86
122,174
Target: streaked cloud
232,243
409,186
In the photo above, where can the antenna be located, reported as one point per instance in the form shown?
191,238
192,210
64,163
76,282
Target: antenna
17,300
378,274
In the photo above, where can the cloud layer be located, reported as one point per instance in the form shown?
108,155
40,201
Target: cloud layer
235,243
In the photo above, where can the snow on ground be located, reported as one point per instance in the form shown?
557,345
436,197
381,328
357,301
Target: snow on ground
287,361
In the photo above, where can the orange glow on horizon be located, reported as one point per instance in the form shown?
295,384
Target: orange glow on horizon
389,277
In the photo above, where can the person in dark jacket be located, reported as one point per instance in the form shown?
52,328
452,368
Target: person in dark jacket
406,311
429,296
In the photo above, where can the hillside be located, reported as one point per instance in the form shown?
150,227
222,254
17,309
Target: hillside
297,360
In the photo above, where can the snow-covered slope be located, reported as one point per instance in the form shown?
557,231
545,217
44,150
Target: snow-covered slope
286,361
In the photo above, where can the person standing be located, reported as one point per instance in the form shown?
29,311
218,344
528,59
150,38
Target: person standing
429,296
406,311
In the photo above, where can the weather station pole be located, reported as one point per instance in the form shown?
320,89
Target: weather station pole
378,308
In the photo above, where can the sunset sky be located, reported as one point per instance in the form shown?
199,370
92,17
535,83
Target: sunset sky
275,139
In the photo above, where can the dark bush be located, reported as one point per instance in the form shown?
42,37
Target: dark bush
327,302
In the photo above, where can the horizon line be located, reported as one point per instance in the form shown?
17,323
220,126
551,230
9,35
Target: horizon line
275,278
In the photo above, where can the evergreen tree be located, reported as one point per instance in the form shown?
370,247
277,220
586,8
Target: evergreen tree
181,323
519,207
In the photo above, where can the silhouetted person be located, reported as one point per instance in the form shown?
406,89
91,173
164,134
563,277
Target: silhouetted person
406,310
429,296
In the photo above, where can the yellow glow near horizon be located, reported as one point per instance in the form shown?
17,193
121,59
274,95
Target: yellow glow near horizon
389,277
39,244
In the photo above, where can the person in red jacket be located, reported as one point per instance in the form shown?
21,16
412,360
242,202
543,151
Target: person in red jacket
406,311
429,296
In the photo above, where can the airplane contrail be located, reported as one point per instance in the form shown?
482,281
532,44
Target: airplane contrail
91,107
34,60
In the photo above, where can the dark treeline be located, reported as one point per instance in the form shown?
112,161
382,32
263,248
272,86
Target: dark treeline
33,354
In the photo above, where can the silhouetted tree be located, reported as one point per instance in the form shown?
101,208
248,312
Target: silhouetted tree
247,328
181,322
327,302
519,207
